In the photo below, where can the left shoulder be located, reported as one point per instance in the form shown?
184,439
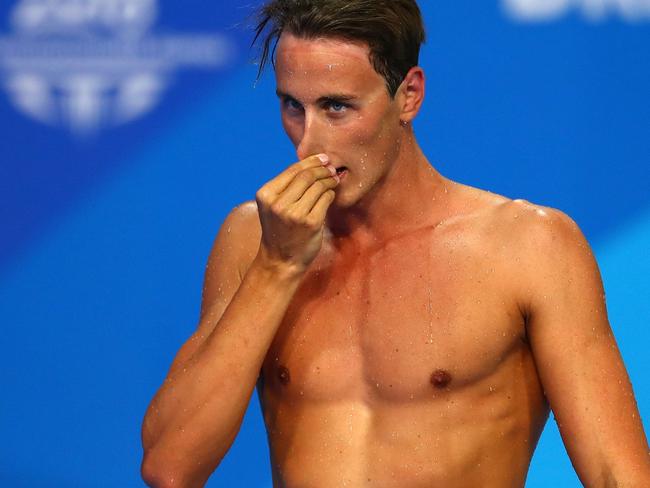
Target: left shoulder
539,229
523,230
549,252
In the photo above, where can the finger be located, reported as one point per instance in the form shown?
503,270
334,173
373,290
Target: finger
306,204
301,183
319,211
280,183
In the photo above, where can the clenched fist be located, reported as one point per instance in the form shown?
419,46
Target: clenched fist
292,209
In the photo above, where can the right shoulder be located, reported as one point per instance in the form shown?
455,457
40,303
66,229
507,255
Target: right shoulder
233,251
244,218
241,231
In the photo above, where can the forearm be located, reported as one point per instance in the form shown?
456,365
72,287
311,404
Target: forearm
196,414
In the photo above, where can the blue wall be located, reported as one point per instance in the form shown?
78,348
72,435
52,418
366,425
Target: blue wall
104,238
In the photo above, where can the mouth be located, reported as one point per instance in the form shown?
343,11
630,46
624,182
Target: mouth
340,171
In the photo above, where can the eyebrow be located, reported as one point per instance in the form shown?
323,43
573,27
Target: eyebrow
338,97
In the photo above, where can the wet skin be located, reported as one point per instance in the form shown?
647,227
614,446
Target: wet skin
419,346
403,359
406,364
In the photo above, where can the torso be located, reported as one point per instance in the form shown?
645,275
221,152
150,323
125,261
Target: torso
406,364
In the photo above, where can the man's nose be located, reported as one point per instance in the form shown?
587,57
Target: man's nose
313,137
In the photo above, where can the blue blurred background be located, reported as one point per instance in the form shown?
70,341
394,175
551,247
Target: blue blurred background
106,224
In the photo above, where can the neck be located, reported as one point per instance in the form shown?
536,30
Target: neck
407,197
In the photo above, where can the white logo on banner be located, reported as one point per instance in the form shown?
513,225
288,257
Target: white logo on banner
89,64
594,10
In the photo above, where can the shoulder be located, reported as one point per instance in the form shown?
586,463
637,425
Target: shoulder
239,236
548,254
243,219
540,230
518,222
243,213
527,236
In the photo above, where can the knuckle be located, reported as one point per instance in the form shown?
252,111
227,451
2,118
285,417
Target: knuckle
276,208
263,196
324,172
321,186
293,215
306,177
313,223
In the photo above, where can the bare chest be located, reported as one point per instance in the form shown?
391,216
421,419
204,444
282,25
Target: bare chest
417,315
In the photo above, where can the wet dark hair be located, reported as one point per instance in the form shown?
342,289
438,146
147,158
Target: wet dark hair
392,29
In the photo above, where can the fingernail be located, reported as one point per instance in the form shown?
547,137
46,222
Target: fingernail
332,170
324,158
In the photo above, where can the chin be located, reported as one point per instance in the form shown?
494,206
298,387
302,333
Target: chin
343,202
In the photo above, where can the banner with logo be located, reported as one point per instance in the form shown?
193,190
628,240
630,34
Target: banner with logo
130,128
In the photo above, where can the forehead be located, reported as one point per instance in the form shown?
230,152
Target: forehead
324,62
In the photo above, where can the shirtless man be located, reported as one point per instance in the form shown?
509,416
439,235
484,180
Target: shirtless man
403,330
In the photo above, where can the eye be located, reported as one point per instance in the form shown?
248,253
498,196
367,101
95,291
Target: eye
336,107
292,105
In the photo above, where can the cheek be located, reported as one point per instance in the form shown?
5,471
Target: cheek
292,129
379,140
363,132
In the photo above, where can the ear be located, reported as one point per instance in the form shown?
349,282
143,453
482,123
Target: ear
411,94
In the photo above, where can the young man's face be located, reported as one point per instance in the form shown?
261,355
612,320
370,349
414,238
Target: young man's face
334,102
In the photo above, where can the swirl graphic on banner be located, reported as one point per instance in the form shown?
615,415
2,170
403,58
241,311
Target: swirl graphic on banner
89,64
593,10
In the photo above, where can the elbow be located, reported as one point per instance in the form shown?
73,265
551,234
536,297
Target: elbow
627,478
153,476
158,471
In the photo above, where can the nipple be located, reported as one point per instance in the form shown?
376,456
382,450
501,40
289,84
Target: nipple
440,378
283,375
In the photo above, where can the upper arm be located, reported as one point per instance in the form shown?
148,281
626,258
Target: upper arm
233,250
576,354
